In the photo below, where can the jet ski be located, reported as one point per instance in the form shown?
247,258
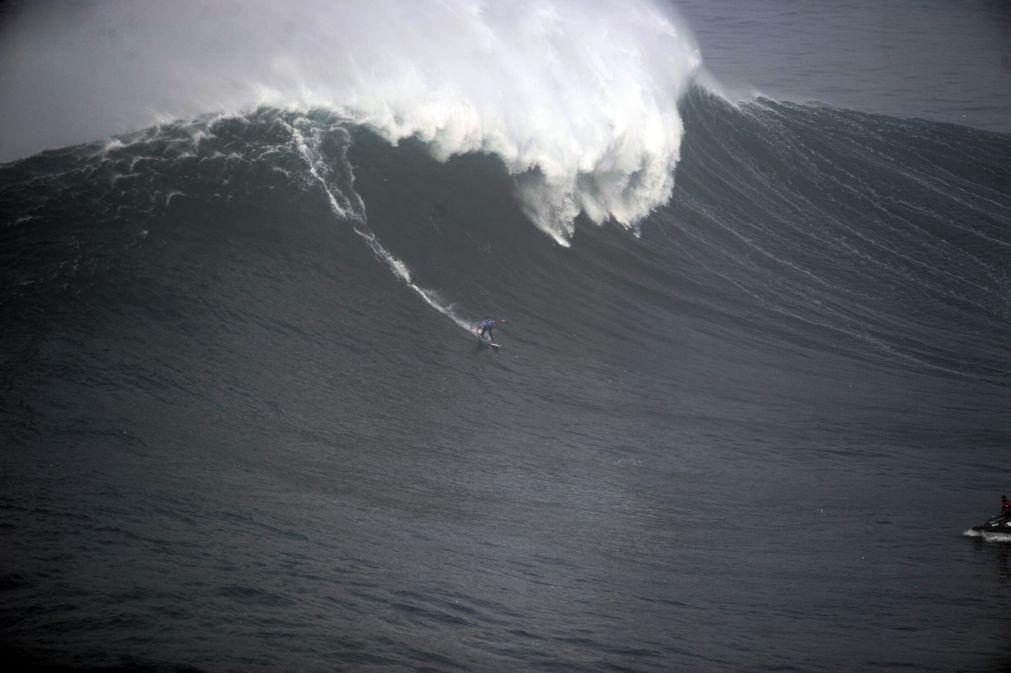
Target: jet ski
997,524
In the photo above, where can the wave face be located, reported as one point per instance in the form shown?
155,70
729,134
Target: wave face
848,227
237,392
582,104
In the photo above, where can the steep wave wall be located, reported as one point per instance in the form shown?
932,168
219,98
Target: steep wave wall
581,104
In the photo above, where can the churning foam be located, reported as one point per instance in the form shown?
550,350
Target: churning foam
577,97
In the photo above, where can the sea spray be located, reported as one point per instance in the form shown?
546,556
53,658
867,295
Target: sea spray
578,99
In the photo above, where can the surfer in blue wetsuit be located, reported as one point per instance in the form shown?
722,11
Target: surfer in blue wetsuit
486,326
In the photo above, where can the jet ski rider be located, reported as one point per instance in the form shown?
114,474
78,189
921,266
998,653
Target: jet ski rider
1005,508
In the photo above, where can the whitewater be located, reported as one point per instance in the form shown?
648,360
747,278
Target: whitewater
578,100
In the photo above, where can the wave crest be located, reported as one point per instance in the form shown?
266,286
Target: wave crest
578,99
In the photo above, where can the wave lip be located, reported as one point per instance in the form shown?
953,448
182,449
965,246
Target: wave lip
578,99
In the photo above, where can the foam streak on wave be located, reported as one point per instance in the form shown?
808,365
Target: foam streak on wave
577,97
347,205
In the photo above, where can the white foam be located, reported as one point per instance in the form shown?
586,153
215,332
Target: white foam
577,96
400,269
988,537
348,206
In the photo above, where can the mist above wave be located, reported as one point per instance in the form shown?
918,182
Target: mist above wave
579,99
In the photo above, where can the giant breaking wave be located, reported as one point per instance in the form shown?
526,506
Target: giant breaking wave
580,103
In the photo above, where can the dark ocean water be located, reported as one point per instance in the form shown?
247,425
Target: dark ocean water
749,439
940,60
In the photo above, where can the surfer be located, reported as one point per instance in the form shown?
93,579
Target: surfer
486,325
